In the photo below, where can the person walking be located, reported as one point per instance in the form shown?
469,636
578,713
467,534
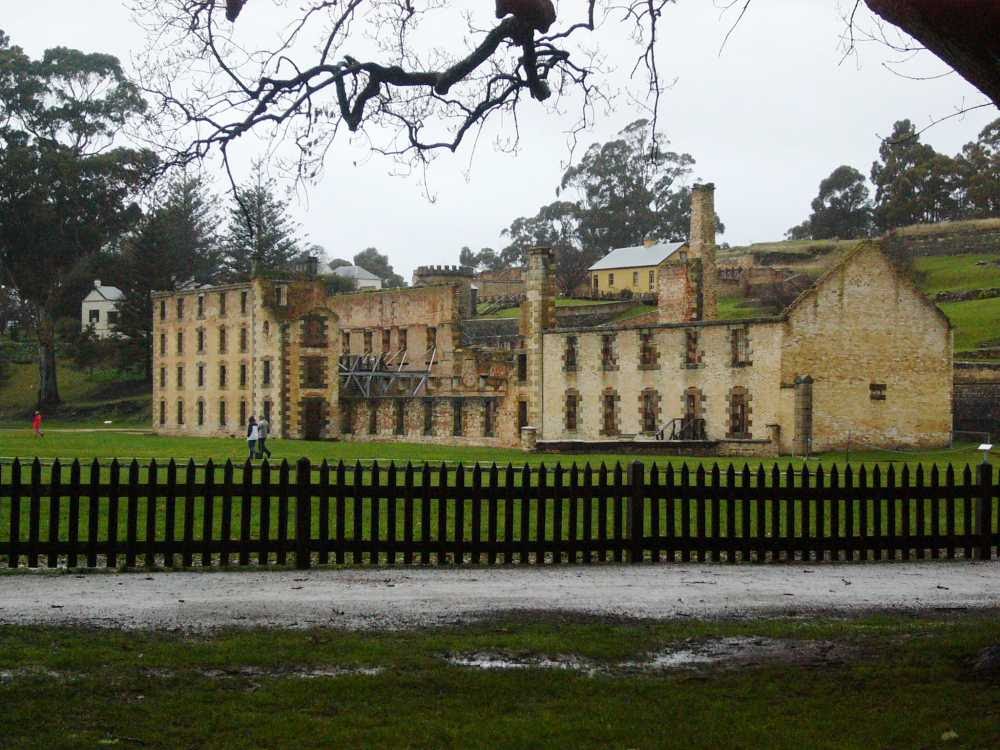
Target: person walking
36,424
253,435
263,431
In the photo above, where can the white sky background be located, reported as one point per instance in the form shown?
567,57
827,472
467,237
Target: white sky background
766,121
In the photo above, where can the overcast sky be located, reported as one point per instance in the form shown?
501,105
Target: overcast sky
766,120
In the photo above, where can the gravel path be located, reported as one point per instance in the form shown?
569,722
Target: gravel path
394,598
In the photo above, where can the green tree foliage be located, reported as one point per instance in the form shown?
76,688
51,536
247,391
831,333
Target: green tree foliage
262,237
631,189
913,183
979,170
375,262
66,191
176,244
626,190
842,209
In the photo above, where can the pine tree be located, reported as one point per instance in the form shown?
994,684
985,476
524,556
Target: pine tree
262,237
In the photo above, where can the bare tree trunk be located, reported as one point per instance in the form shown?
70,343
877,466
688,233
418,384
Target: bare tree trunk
48,387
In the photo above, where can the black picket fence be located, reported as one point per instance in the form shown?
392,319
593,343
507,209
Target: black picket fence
150,515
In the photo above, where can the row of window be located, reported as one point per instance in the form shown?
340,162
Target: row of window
650,280
650,408
223,375
368,340
201,339
458,415
94,316
649,355
223,298
201,413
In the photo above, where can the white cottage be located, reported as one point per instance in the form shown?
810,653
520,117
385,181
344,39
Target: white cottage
100,309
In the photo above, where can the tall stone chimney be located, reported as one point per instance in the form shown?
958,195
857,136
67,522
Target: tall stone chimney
701,241
538,314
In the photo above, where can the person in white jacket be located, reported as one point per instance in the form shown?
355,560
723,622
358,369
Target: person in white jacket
253,434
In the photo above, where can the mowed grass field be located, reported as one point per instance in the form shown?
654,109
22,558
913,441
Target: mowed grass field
892,682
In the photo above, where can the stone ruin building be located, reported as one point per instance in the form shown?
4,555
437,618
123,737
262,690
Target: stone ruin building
861,356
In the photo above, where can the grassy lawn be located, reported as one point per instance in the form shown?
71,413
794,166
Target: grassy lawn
735,307
107,444
976,322
903,683
942,273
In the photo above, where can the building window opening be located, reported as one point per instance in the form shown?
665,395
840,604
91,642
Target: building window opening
180,376
402,339
876,391
163,377
180,342
572,411
609,419
243,302
163,413
222,413
373,417
571,353
180,412
267,410
428,417
281,295
456,412
243,413
222,341
222,304
347,417
314,375
522,415
180,308
635,278
163,344
201,305
243,374
386,341
647,350
611,279
314,332
740,339
522,367
223,376
368,342
201,413
432,338
692,357
244,340
608,361
163,309
201,376
266,374
652,280
650,411
94,316
200,333
739,414
345,342
400,416
489,417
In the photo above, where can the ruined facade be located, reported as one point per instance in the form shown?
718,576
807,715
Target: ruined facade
862,357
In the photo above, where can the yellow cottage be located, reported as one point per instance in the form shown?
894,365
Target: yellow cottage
635,269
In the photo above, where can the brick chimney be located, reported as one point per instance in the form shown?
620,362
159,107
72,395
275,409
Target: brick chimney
701,241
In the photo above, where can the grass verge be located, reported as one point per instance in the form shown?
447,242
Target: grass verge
905,683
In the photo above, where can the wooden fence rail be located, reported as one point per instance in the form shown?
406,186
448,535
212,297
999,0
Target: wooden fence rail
151,515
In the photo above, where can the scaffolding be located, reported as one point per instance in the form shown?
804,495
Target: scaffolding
385,374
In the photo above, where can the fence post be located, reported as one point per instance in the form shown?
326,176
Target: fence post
985,514
303,514
635,516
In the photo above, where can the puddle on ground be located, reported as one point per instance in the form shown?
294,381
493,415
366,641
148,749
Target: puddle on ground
716,652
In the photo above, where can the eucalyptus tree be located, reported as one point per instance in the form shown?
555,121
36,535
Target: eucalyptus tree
67,188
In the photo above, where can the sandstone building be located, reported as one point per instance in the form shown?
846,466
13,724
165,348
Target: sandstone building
861,356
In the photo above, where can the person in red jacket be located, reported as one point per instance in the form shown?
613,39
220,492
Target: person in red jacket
36,424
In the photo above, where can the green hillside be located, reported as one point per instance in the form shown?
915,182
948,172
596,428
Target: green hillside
92,397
